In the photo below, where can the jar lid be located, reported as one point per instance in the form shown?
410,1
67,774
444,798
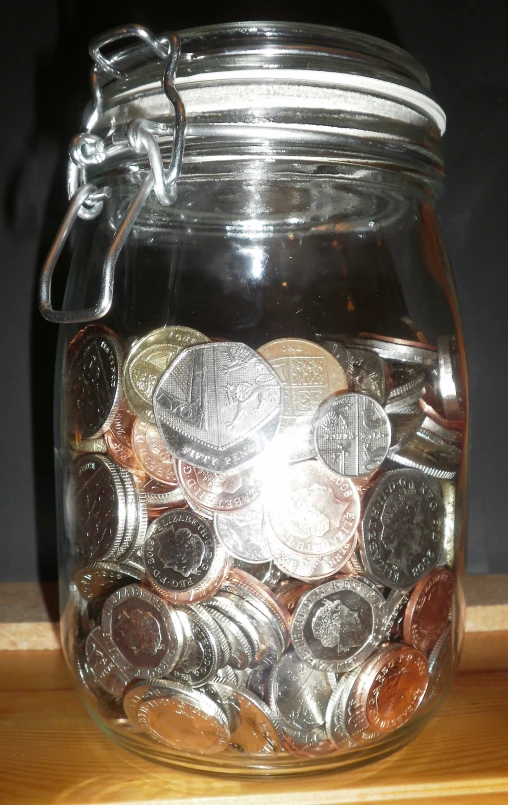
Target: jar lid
280,73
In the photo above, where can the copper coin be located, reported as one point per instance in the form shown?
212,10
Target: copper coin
309,374
427,406
389,688
152,454
302,750
291,594
122,424
428,610
311,510
218,491
122,454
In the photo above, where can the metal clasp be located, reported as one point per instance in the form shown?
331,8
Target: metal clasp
108,270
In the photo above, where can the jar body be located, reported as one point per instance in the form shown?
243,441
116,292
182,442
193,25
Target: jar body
254,592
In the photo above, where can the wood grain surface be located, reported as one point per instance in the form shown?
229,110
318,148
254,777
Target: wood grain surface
51,752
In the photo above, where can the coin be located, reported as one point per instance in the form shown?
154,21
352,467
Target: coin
308,374
242,653
436,461
218,491
161,497
449,386
218,405
200,658
448,551
142,632
427,405
396,603
257,731
341,720
93,381
218,633
367,373
267,572
90,446
96,508
428,610
183,557
389,689
311,510
397,349
404,426
336,625
311,568
102,665
147,361
231,609
291,594
299,696
352,434
121,454
102,578
242,533
260,596
402,528
406,380
440,661
184,719
151,454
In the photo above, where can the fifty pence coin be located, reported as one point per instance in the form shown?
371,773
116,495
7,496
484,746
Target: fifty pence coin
94,380
336,625
242,533
142,632
428,610
147,361
352,434
218,405
184,558
311,510
309,374
402,528
184,719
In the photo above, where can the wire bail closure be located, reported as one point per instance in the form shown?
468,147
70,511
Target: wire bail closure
88,149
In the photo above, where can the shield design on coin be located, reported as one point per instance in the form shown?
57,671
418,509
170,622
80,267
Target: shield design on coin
218,405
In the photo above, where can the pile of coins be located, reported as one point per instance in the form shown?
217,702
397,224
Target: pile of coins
262,541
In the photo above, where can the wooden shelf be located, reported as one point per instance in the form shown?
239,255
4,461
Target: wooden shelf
51,752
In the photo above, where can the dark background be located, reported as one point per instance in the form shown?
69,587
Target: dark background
44,69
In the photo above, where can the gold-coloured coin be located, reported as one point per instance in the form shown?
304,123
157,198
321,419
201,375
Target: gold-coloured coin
147,361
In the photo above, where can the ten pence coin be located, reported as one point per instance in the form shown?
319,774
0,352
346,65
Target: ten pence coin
428,610
309,374
147,361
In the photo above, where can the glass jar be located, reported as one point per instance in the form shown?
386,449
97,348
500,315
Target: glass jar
261,391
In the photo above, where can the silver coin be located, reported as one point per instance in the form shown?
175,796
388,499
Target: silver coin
440,662
199,661
455,437
408,384
212,626
102,666
421,454
452,451
241,651
93,381
395,606
390,350
181,553
404,427
448,491
96,508
449,386
228,676
299,696
367,373
271,641
102,578
218,405
352,434
232,610
242,533
136,521
257,730
339,351
267,572
341,721
402,528
142,632
339,624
